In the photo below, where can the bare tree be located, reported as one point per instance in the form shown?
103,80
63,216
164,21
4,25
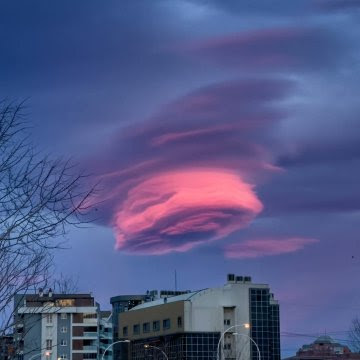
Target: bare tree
39,198
354,334
65,284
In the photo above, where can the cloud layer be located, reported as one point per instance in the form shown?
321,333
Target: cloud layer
266,247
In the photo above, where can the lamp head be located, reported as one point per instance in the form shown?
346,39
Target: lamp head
247,326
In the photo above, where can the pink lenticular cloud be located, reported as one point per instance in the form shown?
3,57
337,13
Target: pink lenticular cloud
187,175
266,247
178,210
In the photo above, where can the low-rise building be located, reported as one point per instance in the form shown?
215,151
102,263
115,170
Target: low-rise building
242,314
325,348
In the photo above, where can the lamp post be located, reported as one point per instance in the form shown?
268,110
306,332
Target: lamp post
116,342
47,353
146,346
247,326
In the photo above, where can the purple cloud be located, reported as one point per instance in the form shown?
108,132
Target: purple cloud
266,247
272,49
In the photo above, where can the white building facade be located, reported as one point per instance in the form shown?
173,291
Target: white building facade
243,314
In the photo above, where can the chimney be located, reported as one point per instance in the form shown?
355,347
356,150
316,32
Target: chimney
50,293
41,292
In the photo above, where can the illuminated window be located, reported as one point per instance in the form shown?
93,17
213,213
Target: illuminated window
65,302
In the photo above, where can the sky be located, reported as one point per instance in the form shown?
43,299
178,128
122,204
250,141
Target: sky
224,136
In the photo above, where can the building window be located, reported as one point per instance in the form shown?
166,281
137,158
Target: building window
156,325
63,356
63,316
63,329
226,321
125,330
179,321
65,302
90,316
136,329
146,327
63,342
90,356
49,318
227,346
49,344
166,324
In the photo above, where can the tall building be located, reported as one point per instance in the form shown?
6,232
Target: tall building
56,326
242,314
325,348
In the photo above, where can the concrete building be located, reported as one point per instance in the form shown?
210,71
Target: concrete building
105,335
125,303
189,326
56,325
324,348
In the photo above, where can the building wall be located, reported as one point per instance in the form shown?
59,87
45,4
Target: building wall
32,339
171,311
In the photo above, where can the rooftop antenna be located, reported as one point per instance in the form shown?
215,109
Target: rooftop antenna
175,281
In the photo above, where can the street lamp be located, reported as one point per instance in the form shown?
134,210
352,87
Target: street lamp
116,342
47,353
146,346
247,326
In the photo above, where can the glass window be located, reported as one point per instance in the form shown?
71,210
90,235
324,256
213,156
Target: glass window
63,316
166,324
63,342
136,329
125,330
63,329
146,327
49,344
49,318
179,321
63,356
156,325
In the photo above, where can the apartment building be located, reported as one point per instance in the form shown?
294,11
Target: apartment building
52,326
241,317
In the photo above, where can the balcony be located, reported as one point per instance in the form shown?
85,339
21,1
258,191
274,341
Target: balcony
90,334
90,347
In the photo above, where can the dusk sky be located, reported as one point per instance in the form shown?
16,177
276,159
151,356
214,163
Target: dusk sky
225,136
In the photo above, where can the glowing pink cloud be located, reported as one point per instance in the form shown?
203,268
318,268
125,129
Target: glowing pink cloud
178,210
266,247
187,175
